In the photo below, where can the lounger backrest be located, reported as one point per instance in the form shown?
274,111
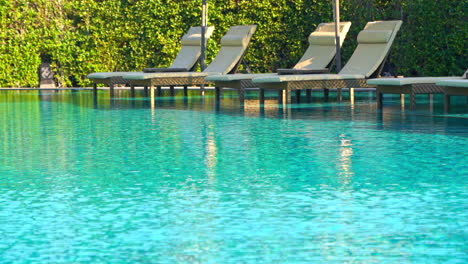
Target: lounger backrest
322,48
233,47
374,43
191,48
465,75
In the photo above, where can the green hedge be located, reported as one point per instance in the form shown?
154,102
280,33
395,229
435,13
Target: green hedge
83,36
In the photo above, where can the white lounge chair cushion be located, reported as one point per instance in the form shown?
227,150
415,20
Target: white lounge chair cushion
237,77
191,48
238,36
238,41
306,77
106,75
374,36
156,75
322,38
406,81
454,83
193,37
193,40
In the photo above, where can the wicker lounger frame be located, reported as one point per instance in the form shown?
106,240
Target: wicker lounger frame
242,84
339,84
290,86
118,80
239,85
111,81
411,89
181,81
171,82
299,85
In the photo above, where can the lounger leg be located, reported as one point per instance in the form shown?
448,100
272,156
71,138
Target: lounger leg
217,106
132,90
159,90
340,97
152,95
287,96
412,100
218,93
95,102
379,99
185,90
431,102
241,95
280,96
262,96
326,93
95,89
446,102
171,89
262,110
309,95
202,89
111,89
298,96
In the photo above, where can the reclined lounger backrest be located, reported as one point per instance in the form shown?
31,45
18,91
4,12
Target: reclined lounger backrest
191,48
233,47
374,43
322,48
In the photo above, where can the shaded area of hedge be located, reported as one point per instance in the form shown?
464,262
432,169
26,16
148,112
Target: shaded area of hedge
84,36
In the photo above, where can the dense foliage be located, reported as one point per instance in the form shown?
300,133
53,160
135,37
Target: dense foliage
83,36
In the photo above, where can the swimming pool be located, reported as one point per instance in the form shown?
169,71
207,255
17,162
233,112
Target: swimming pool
192,181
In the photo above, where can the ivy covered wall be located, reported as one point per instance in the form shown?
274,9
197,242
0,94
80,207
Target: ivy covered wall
83,36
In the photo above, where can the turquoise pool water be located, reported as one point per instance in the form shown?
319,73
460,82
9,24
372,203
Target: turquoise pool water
191,181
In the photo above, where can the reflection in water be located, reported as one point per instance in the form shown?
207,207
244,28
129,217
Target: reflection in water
152,97
364,108
212,154
345,161
402,102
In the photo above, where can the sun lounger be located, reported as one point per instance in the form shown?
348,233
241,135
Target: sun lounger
453,87
316,59
366,62
233,47
411,86
186,60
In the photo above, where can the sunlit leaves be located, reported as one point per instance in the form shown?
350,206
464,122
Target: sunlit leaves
83,36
